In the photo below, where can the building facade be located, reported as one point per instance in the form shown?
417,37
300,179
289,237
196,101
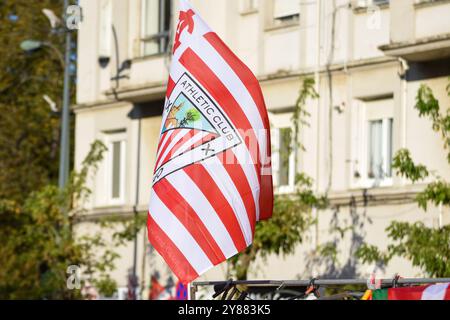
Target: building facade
368,59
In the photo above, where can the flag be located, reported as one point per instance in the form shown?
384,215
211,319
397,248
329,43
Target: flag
156,289
431,292
212,180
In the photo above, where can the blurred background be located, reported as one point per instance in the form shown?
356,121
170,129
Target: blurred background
358,98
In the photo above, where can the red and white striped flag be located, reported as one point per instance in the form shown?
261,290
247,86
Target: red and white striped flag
213,178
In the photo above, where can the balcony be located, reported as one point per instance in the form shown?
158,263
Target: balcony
425,49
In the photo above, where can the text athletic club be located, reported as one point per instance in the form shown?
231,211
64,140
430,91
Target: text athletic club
213,179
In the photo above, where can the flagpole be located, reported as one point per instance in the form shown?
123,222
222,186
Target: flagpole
64,161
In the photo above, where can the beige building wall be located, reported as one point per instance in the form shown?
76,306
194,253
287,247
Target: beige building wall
367,82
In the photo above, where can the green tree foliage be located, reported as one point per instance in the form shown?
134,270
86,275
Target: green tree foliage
426,248
281,234
29,133
301,114
39,243
38,239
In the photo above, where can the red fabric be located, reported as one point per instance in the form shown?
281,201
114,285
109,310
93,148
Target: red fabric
155,289
237,174
173,256
253,87
170,87
189,218
211,191
186,21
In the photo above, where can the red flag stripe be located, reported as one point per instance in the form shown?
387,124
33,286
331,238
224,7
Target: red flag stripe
176,136
163,143
173,256
242,157
182,143
239,179
243,72
170,86
234,84
189,135
195,65
181,181
251,83
447,294
187,216
163,140
266,197
205,140
210,190
413,293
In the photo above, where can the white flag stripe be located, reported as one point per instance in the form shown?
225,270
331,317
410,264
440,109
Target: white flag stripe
181,237
194,196
163,144
245,160
192,141
233,83
231,194
435,292
180,135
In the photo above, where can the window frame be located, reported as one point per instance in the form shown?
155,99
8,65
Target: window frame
162,38
385,180
364,111
279,122
110,139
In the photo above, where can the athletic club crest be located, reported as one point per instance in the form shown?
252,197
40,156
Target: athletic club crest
194,129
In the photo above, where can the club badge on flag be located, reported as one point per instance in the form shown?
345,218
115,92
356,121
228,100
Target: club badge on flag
212,180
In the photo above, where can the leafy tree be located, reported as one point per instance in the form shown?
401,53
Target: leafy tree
301,114
29,131
282,233
38,239
39,243
427,248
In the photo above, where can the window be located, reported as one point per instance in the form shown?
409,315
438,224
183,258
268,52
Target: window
380,150
286,11
115,174
372,149
283,159
155,26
